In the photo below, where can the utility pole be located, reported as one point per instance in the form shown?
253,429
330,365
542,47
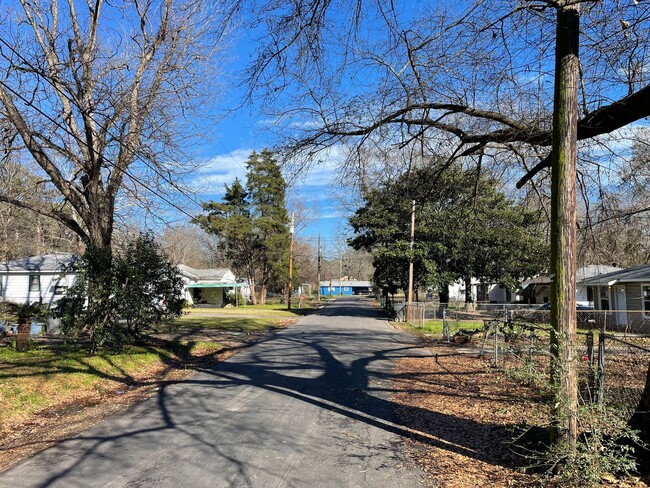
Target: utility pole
319,265
340,273
291,229
409,310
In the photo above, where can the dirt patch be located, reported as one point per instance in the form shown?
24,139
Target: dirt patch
48,427
465,415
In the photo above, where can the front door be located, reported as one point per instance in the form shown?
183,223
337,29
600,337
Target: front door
620,305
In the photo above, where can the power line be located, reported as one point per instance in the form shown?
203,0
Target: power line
125,170
79,140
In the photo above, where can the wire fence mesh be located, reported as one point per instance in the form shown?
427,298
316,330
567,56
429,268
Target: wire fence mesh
612,349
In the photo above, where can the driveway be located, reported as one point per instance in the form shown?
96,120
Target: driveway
308,407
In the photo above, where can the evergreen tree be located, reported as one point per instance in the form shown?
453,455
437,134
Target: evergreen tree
464,229
252,225
267,188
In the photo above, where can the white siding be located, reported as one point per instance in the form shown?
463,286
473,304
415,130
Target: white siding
16,287
581,296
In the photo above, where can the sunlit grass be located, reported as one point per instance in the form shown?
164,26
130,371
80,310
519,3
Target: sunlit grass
269,310
435,326
49,377
235,324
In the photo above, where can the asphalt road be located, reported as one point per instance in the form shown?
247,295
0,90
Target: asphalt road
308,407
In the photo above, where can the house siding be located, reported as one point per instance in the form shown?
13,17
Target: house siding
15,287
633,292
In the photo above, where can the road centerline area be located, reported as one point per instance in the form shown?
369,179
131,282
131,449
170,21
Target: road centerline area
309,406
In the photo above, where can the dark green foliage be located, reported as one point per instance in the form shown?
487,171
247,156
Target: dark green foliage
149,286
267,188
117,298
252,225
465,229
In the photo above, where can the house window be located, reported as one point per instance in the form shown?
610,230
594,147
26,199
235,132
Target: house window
604,298
645,296
590,294
60,289
34,283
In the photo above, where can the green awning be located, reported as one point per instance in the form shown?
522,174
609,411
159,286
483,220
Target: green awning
215,285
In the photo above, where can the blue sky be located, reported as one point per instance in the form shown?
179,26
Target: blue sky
225,159
244,130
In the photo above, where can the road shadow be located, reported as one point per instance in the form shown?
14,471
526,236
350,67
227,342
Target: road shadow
330,369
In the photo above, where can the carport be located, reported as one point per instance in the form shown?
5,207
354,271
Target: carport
209,294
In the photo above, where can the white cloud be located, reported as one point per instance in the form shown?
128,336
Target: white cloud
222,169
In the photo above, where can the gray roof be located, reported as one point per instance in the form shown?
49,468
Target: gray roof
216,274
635,275
592,270
47,263
582,273
363,284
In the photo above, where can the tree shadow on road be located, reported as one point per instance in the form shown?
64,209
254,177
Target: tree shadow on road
325,369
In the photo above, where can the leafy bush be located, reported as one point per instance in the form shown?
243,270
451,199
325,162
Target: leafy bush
115,299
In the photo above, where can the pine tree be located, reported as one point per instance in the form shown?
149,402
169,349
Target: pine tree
267,188
252,225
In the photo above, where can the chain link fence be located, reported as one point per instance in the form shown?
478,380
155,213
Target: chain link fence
612,364
613,346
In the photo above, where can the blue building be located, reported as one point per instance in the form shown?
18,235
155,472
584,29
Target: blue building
345,287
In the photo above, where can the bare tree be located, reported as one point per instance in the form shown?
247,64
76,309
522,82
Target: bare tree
23,233
189,245
97,93
470,80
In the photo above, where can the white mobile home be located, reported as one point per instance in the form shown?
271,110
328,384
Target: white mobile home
36,279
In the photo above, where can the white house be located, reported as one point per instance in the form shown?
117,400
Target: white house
40,279
43,279
482,292
207,287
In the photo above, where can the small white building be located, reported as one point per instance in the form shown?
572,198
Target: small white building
481,292
207,287
36,279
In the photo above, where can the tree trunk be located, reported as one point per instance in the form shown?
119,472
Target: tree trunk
263,295
22,338
443,296
563,228
251,287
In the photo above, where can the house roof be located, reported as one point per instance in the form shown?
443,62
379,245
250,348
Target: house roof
636,274
363,284
582,273
52,263
217,274
593,270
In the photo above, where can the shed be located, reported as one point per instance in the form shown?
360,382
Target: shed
345,287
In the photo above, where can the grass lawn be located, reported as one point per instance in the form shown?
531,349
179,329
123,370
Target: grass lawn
235,324
52,376
269,310
435,326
